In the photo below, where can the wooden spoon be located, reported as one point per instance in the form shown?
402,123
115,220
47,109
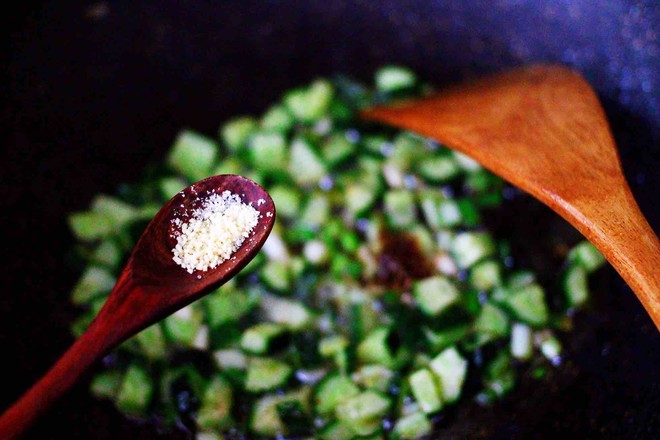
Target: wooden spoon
150,287
543,129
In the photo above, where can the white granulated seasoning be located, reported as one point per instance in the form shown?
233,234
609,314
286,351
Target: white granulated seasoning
216,230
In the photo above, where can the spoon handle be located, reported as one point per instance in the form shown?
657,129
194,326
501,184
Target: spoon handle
628,242
97,340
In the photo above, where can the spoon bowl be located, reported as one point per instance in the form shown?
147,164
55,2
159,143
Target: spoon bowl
543,129
150,287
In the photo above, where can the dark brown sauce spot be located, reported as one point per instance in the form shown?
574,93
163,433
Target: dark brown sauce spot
401,261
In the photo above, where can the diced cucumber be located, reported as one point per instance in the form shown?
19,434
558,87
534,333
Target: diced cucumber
268,151
466,162
286,200
332,391
232,165
169,186
316,212
375,349
310,104
528,304
89,225
586,255
549,345
393,78
208,435
439,211
336,431
305,166
444,238
576,286
479,181
400,208
438,169
265,374
265,419
108,254
316,252
135,392
215,409
521,341
413,426
106,384
359,197
277,118
230,358
227,306
486,275
257,338
94,282
470,247
116,211
292,314
500,376
275,249
362,413
373,376
407,150
193,155
331,345
183,326
276,275
451,369
376,143
337,148
521,278
492,323
425,389
152,342
435,294
236,132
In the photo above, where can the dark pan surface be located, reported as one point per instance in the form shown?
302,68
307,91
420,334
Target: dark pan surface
94,91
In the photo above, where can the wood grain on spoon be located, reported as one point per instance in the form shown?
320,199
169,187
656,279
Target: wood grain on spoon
543,129
150,287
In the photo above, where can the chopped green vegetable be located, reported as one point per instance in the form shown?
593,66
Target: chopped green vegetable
435,294
135,391
311,103
378,281
362,412
333,391
521,341
256,338
470,247
193,155
400,208
305,165
587,256
215,411
425,389
94,282
264,374
412,426
268,151
235,133
450,369
528,304
576,286
393,78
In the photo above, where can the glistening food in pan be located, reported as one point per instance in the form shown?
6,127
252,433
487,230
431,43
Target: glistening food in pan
380,299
